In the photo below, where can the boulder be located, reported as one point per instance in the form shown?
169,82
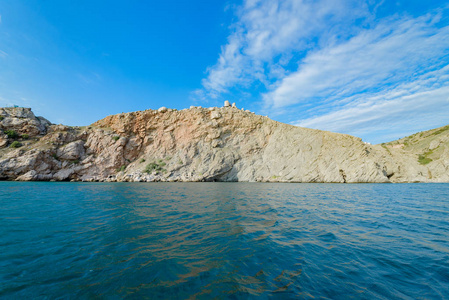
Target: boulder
215,115
23,121
44,121
71,151
29,176
17,112
227,104
63,174
59,127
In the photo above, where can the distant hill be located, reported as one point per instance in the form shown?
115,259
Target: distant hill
431,145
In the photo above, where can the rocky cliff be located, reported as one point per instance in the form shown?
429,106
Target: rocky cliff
421,157
205,144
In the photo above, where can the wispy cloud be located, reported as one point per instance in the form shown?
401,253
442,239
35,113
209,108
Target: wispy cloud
269,32
89,78
391,114
393,51
335,65
385,82
3,54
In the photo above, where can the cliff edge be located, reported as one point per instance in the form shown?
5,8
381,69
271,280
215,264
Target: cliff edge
200,144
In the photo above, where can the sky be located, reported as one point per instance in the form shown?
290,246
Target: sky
378,70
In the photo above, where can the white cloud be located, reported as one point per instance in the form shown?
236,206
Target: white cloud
392,52
228,70
331,64
410,107
267,29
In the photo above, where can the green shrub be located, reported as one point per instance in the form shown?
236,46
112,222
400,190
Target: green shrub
121,169
386,148
11,134
16,144
441,130
25,136
55,156
116,138
422,159
1,118
142,160
154,167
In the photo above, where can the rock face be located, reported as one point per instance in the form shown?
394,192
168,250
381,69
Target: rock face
423,156
199,144
23,121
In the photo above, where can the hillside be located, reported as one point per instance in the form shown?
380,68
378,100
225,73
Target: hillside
204,144
427,152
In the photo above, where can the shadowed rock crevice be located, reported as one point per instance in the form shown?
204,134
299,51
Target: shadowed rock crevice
343,175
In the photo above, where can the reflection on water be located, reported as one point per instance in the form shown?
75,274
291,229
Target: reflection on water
224,240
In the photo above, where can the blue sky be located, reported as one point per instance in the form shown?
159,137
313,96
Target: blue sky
375,69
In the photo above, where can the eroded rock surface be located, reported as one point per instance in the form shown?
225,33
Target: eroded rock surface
203,144
23,121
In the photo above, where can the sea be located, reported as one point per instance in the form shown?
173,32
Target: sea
223,241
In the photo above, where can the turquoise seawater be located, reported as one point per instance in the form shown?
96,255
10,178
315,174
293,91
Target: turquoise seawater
223,240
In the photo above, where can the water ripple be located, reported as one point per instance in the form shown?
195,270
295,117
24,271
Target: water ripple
224,240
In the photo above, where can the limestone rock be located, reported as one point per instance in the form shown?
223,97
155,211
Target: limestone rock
23,121
63,174
227,104
216,144
162,109
29,176
215,115
44,121
17,112
3,140
72,151
58,128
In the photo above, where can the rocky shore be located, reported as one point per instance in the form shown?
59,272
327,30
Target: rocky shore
208,144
